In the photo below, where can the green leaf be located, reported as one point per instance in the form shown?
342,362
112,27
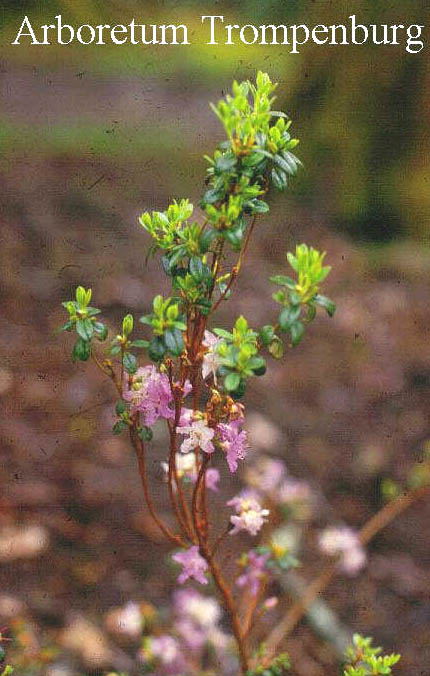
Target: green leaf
295,298
326,303
260,207
68,326
197,268
120,407
70,306
157,349
257,365
81,350
223,334
226,162
100,330
288,316
7,671
130,362
81,297
85,328
266,334
279,179
140,343
127,325
283,280
234,237
296,331
145,433
293,261
241,325
174,341
206,238
157,304
232,382
119,427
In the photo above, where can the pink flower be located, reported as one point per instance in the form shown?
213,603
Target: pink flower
249,514
167,651
186,416
233,442
198,434
187,388
266,474
211,360
194,565
212,478
293,490
255,572
204,611
344,542
148,391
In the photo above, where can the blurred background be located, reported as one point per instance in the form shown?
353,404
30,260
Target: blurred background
91,137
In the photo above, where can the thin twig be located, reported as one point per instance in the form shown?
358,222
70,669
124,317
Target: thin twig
140,453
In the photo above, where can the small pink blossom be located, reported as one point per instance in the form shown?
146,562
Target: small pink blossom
198,435
293,490
187,388
255,572
194,565
211,359
249,514
212,478
148,391
344,542
270,603
167,650
266,474
234,443
202,610
198,617
186,416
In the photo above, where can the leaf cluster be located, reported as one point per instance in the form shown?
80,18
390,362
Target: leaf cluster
300,297
82,318
279,667
239,356
366,660
167,324
257,153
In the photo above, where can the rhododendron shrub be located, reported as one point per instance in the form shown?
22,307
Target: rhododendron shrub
176,368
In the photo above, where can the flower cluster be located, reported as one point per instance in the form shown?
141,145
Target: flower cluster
192,629
249,516
148,391
193,564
